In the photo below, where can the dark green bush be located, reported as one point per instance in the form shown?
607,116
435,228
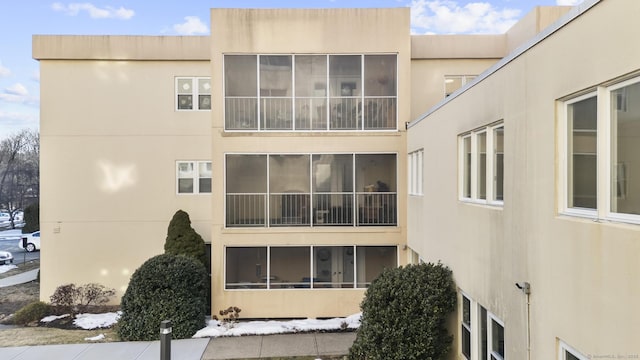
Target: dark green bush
165,287
31,218
31,312
182,239
404,315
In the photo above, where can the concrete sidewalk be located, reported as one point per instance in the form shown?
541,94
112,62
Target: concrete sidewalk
318,345
21,278
260,347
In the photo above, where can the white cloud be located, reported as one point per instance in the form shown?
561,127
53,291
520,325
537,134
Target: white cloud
568,2
11,121
94,12
192,25
35,76
4,72
17,89
448,17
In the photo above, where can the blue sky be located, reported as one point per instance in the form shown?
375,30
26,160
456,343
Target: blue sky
19,20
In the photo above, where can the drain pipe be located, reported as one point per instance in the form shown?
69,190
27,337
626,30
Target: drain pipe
526,289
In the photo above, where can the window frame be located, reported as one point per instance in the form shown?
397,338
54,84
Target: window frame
195,178
464,80
490,198
491,354
468,327
604,152
195,92
564,348
328,96
268,276
416,172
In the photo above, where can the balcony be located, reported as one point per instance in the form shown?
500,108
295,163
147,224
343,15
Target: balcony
296,209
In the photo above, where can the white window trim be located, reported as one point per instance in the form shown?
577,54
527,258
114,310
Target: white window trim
489,163
604,153
473,314
196,177
563,349
465,79
195,103
416,172
492,317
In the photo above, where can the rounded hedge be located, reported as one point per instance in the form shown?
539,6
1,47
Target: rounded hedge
34,311
165,287
405,313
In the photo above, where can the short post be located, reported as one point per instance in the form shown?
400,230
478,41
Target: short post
165,340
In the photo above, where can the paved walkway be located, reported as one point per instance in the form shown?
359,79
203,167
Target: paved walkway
244,347
21,278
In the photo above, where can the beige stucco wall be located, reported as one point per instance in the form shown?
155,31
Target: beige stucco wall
287,31
110,139
582,273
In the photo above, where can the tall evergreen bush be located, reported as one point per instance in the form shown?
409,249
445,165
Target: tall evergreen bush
404,315
182,239
31,218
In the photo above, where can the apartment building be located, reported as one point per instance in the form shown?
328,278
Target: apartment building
525,185
287,135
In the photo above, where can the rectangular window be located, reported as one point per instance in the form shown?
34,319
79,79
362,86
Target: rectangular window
311,190
455,82
415,172
193,93
601,151
496,338
310,92
481,165
193,177
465,329
304,267
566,352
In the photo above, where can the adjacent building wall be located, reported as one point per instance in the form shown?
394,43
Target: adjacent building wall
581,271
110,139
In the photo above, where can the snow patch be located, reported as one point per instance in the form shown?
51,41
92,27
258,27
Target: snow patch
5,268
95,338
51,318
94,321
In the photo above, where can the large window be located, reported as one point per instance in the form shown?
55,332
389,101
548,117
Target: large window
193,177
481,165
310,190
416,172
310,92
193,93
601,139
306,267
495,331
481,333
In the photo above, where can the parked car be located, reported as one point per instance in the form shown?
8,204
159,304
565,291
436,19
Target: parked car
30,242
6,258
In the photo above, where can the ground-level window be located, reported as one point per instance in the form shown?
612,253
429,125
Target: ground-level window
566,352
305,267
496,338
193,177
481,165
193,93
601,142
465,328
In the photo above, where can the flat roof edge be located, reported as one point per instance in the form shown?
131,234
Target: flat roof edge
120,47
550,30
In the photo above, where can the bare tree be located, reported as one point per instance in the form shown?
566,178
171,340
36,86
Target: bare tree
19,171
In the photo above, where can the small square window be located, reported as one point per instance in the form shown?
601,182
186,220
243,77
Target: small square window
193,93
193,177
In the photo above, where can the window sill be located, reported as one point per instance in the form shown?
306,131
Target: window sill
495,205
315,229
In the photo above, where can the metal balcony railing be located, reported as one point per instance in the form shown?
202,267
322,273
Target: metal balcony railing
241,113
246,210
376,208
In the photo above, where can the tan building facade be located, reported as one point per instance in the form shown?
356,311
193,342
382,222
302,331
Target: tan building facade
287,136
527,193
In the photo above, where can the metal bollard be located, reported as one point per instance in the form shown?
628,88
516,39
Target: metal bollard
165,340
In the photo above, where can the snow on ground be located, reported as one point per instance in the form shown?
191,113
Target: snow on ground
95,338
5,268
11,234
53,317
94,321
216,329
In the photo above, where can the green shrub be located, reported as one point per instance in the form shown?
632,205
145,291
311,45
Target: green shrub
182,239
404,314
31,312
72,298
165,287
31,218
